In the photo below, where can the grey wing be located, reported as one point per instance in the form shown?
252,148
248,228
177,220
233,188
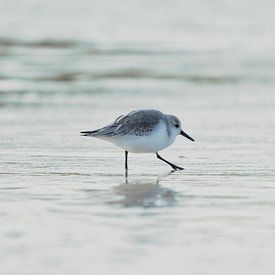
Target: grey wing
135,123
106,131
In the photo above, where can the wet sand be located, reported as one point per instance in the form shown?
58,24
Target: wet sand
65,204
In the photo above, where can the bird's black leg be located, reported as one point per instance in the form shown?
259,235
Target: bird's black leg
175,167
126,162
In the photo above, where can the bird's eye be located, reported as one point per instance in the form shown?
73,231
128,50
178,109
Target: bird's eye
177,125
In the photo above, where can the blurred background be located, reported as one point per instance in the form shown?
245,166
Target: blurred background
67,66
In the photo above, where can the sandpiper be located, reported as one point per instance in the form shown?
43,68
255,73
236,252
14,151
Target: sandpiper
142,131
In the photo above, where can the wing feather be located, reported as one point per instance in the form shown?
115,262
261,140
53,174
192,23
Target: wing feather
135,123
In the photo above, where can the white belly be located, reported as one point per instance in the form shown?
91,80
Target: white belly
157,140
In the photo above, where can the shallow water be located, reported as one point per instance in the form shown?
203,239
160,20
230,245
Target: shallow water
65,204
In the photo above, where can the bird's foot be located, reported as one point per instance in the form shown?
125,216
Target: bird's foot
176,168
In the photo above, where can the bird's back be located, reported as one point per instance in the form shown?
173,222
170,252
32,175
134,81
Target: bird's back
136,123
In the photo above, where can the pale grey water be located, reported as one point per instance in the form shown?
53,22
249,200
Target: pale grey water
65,205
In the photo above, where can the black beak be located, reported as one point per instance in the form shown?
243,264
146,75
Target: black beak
185,135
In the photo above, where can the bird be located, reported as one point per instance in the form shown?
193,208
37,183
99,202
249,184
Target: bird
142,131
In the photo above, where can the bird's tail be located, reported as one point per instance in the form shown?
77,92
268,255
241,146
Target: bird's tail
89,133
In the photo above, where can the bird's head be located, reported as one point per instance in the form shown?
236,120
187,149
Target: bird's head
176,128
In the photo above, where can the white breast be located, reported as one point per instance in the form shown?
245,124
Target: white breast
157,140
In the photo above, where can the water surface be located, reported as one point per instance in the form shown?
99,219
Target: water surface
65,204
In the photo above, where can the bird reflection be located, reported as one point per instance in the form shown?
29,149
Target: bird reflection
145,194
